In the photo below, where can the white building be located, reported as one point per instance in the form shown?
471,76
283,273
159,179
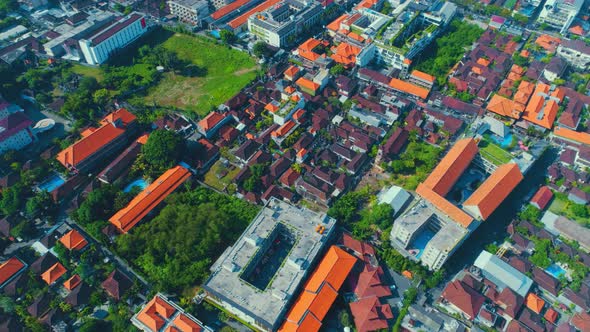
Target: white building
280,23
395,196
189,11
98,48
502,274
575,52
15,128
560,13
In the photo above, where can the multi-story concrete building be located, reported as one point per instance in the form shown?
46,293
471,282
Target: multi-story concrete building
575,52
217,4
560,14
281,23
189,11
15,127
98,48
258,277
433,229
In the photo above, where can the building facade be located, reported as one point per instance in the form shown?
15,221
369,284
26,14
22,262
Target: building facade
560,14
575,52
189,11
98,48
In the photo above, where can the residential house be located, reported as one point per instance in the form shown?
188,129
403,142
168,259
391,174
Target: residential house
542,198
462,299
246,151
575,52
10,269
555,69
209,125
117,284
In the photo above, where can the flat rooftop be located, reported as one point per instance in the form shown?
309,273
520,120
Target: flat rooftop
276,221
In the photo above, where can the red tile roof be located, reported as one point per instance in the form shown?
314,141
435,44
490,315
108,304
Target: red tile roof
450,168
409,88
370,315
346,53
149,198
320,291
540,112
581,321
242,19
551,315
95,140
370,284
10,268
510,302
306,50
53,273
185,324
73,240
335,25
211,120
464,298
493,191
506,107
155,314
223,11
307,84
542,197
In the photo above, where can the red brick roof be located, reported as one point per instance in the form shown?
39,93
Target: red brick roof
320,291
409,88
581,321
463,297
510,302
450,168
242,19
53,273
542,197
112,126
370,283
223,11
149,198
211,120
493,191
73,282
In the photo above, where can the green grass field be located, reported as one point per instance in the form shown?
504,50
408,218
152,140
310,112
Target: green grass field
88,71
227,72
220,183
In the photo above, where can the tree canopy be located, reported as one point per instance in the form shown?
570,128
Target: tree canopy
163,149
177,247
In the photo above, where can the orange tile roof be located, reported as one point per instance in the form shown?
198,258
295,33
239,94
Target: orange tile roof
492,192
186,324
577,30
483,62
223,11
512,76
73,240
547,42
408,274
291,71
290,89
540,112
320,291
302,152
444,205
409,88
73,282
367,4
306,49
95,140
298,114
155,313
505,107
284,129
295,98
242,19
423,76
335,25
307,84
525,53
559,94
450,168
572,135
524,92
211,120
53,273
346,53
143,139
356,36
407,61
476,70
534,303
9,268
517,69
149,198
272,107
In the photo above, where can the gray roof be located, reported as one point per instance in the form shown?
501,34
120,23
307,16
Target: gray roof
502,274
268,306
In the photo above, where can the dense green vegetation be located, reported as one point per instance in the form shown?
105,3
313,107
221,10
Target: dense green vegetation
177,247
448,49
561,205
414,164
162,150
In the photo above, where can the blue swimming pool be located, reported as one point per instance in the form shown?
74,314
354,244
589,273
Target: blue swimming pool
503,142
51,183
421,241
141,183
555,270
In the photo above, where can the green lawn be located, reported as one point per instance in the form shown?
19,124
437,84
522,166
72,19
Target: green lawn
220,183
563,207
88,71
227,72
494,153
